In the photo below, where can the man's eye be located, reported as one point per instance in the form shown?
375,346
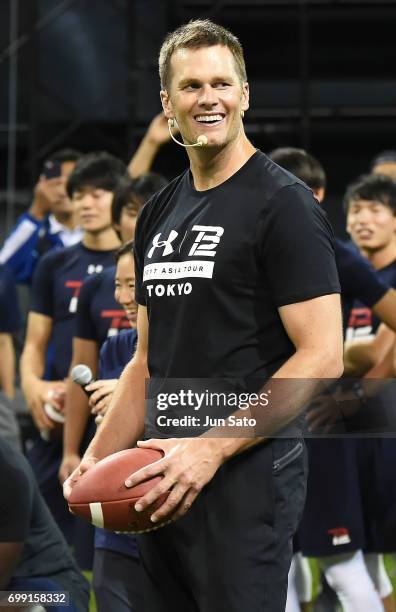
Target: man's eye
221,85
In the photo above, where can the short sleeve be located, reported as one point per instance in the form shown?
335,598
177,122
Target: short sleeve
10,317
138,252
43,285
297,247
84,325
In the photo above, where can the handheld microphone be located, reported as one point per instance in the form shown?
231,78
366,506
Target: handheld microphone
82,375
201,140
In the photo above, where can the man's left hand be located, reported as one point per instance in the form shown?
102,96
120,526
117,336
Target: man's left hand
187,466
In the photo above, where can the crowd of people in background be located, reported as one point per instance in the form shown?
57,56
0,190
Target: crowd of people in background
74,249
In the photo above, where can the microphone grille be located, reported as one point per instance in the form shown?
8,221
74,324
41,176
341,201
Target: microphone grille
202,140
81,374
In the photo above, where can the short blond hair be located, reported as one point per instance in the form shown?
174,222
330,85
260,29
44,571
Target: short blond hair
194,35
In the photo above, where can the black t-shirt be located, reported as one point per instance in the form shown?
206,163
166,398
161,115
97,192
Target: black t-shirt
24,517
214,266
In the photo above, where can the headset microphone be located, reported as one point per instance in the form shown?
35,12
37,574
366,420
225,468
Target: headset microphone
201,140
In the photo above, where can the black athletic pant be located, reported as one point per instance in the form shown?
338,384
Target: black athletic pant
231,552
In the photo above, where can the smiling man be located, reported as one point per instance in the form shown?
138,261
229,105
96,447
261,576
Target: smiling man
252,253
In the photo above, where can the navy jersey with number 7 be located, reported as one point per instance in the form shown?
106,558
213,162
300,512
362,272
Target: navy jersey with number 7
55,292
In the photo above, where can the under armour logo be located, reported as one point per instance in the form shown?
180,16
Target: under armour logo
165,244
92,269
206,241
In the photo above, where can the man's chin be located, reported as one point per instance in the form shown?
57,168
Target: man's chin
368,245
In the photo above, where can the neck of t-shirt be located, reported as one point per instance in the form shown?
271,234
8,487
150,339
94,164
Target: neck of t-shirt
105,240
212,167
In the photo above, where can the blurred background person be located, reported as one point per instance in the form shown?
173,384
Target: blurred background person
117,576
343,564
50,222
384,163
47,352
10,323
34,555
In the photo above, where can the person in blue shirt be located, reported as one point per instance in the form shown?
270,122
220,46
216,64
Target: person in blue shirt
49,223
116,568
57,282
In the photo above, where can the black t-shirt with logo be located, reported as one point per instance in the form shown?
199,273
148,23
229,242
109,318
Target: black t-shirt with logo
214,266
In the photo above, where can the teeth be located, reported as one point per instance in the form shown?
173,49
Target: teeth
209,118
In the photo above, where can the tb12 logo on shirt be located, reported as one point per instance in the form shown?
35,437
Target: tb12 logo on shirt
202,252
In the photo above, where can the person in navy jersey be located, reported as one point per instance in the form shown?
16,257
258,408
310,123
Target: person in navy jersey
99,315
359,280
345,571
370,205
226,289
10,322
116,568
49,223
57,282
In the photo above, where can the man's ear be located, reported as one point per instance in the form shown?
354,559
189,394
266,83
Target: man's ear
166,104
319,193
245,96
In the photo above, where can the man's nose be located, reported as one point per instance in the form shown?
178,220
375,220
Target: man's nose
86,201
208,96
125,296
363,216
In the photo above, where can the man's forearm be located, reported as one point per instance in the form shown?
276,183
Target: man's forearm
123,423
32,365
7,365
77,415
359,357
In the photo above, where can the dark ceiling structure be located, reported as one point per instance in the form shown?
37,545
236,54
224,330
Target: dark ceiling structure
321,73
